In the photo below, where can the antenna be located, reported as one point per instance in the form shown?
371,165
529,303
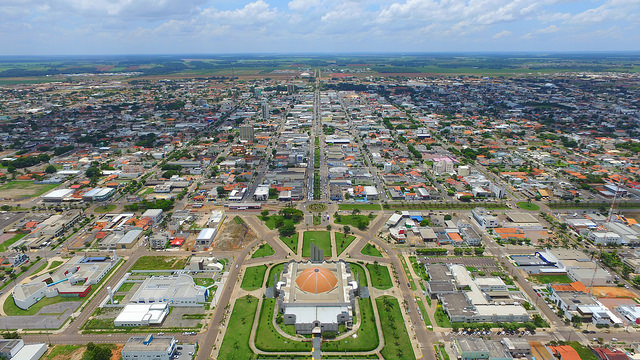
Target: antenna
615,196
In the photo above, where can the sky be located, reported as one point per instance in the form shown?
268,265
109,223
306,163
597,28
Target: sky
77,27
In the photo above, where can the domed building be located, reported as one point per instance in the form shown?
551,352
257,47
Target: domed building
317,297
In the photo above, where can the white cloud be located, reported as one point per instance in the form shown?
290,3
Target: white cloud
502,34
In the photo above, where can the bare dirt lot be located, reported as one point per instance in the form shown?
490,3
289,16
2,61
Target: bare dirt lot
233,236
612,292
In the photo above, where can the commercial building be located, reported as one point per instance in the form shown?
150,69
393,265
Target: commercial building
630,312
15,349
178,290
484,218
57,195
150,347
98,194
133,315
154,214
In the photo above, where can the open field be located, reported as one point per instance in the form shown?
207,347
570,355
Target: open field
528,206
612,291
552,279
159,263
5,245
235,344
322,239
253,277
343,241
263,250
24,189
380,277
397,344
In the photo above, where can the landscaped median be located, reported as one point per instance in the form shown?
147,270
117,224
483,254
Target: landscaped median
397,344
235,345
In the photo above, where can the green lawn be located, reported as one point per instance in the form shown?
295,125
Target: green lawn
552,279
343,241
525,205
26,189
41,267
425,315
253,277
371,250
268,339
418,268
441,318
359,221
380,277
59,350
412,284
263,250
104,208
277,269
159,263
54,264
235,344
367,334
584,352
206,282
361,207
291,242
273,219
11,309
322,239
126,286
358,269
5,245
397,344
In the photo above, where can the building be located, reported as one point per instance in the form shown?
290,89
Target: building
317,296
98,194
443,166
261,193
158,240
517,347
150,347
73,279
205,237
154,214
630,312
484,218
179,290
15,349
246,133
57,195
133,315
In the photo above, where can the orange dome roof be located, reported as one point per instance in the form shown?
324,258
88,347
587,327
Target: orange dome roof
316,280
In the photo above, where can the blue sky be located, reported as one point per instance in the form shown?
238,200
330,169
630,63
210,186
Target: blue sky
43,27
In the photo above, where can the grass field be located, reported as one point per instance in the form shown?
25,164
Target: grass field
343,241
418,268
291,242
551,279
367,334
322,239
371,250
361,207
425,315
104,208
397,344
357,269
54,264
235,345
61,351
441,318
253,277
584,352
22,189
277,269
126,286
268,339
524,205
5,245
412,284
263,250
358,221
380,278
159,263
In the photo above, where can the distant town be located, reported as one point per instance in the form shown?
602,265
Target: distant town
320,209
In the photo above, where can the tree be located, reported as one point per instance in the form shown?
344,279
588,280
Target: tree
287,230
50,169
93,172
458,251
96,352
264,213
347,229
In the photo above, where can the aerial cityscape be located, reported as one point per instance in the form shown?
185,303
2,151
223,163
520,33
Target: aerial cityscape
305,180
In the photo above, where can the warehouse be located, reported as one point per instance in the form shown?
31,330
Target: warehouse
133,315
178,290
98,194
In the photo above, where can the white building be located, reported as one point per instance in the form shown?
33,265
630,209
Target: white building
133,315
631,312
178,290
